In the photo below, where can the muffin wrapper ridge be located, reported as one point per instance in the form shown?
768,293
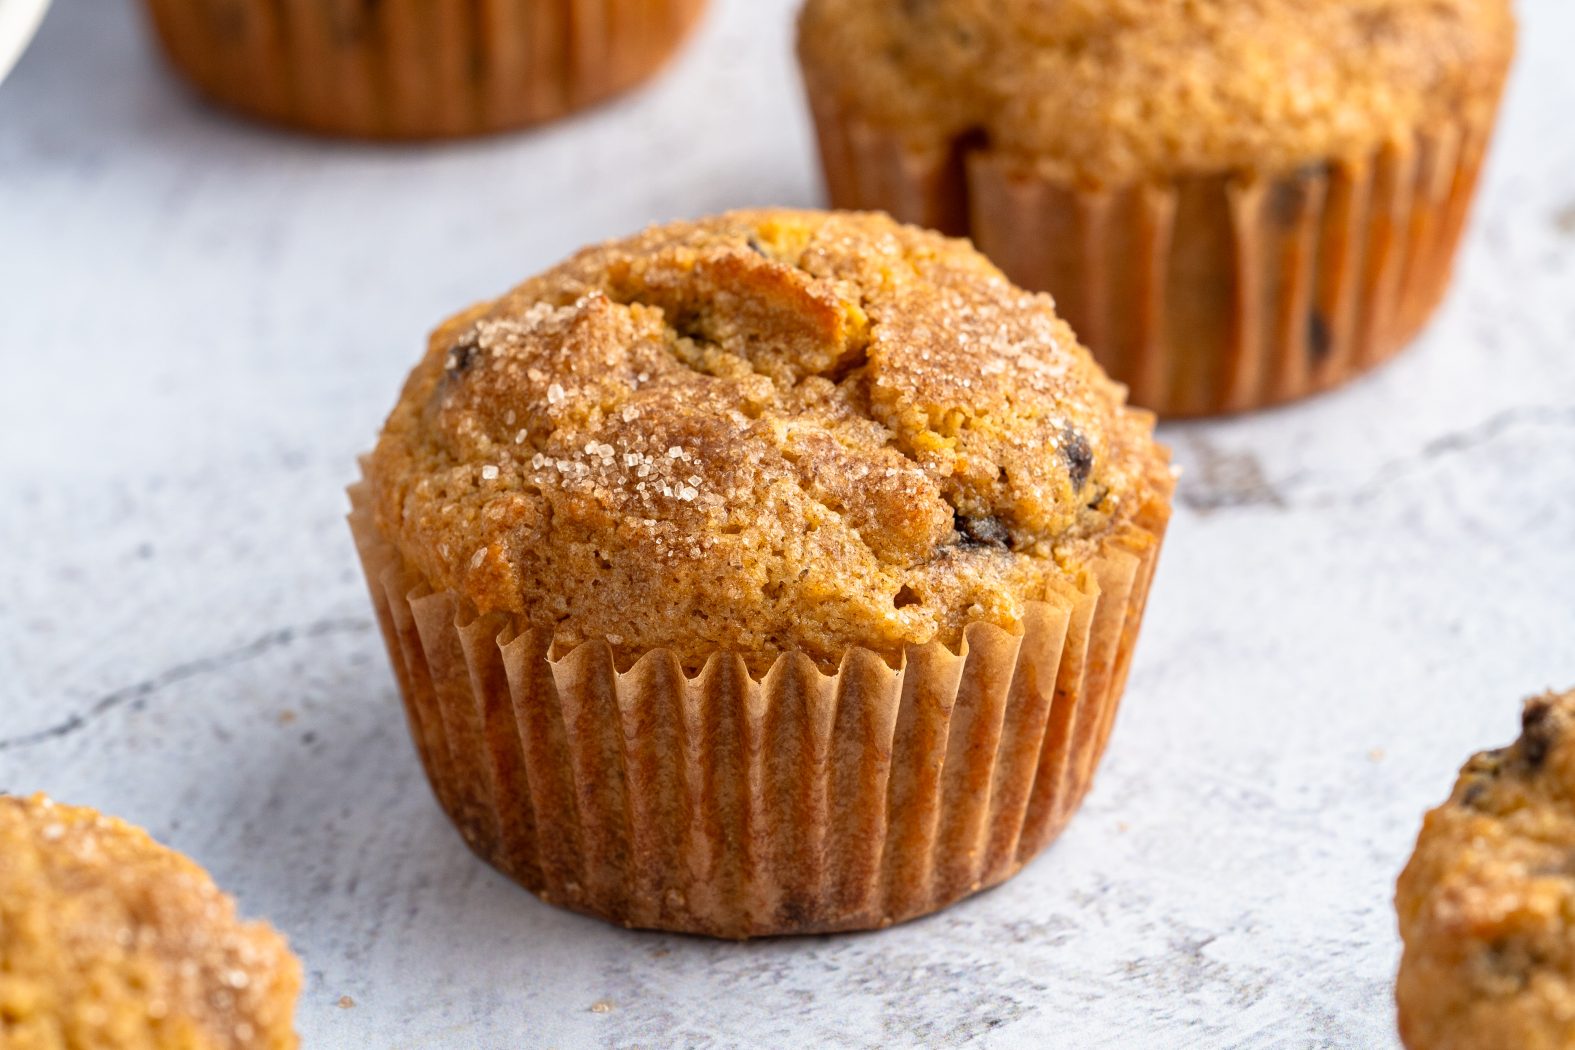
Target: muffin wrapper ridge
415,68
1202,294
800,802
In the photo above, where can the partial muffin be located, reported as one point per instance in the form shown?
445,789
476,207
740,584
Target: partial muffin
1235,203
415,68
1487,902
109,941
771,573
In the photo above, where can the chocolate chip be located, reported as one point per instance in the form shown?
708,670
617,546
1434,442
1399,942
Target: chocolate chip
795,913
1539,731
1506,960
1482,769
982,532
1319,338
1079,457
463,353
1287,199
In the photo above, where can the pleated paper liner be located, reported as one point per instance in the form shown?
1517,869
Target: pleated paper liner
417,68
800,802
1202,295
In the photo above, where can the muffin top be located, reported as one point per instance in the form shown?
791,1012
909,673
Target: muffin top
762,432
1487,903
108,939
1109,91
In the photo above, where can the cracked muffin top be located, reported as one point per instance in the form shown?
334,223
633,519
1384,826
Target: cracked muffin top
1108,91
1487,902
761,432
109,940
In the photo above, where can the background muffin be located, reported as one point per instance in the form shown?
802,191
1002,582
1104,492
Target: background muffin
107,939
1487,902
717,443
413,68
1234,203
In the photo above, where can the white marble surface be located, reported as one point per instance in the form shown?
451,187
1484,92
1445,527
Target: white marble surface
201,323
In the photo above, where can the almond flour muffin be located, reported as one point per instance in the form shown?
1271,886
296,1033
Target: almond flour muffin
415,68
109,941
1235,202
1487,902
704,529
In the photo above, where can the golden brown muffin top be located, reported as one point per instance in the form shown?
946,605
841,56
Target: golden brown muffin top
760,432
109,941
1108,91
1487,903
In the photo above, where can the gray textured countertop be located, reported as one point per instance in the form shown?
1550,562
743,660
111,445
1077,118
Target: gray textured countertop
204,322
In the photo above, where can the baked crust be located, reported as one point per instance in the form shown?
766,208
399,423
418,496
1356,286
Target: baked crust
1487,900
1113,91
762,432
110,940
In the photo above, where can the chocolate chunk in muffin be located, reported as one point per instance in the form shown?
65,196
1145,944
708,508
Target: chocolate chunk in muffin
1487,902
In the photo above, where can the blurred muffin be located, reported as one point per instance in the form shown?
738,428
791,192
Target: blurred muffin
1235,203
1487,902
109,940
414,68
771,573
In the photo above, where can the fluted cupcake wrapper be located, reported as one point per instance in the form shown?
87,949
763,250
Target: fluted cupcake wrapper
796,803
415,68
1203,295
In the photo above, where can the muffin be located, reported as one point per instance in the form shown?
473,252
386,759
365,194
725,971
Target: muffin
109,940
772,573
1487,902
1235,203
414,68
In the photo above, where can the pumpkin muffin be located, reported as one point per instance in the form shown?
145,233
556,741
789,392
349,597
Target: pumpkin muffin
771,573
1487,902
415,68
1235,202
109,940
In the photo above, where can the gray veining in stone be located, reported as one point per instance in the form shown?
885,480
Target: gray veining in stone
202,322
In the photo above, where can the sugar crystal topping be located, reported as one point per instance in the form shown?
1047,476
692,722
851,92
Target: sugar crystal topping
807,411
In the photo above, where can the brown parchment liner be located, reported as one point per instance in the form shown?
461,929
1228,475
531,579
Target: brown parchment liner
800,802
417,68
1203,294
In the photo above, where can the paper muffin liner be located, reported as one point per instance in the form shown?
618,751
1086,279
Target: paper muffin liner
417,68
732,806
1207,294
